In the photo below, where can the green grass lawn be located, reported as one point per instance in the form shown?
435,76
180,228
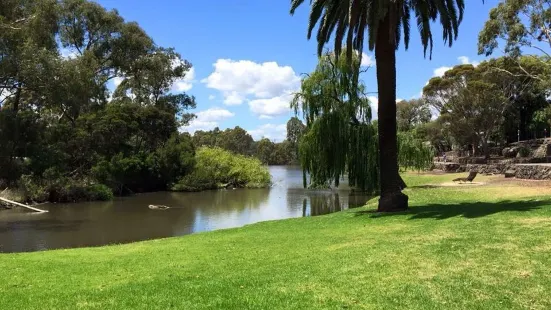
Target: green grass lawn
464,247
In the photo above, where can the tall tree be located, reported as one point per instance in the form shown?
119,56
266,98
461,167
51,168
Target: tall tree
521,24
340,138
410,113
472,102
295,131
384,23
524,26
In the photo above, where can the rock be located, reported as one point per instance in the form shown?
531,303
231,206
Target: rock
447,167
510,152
543,151
510,173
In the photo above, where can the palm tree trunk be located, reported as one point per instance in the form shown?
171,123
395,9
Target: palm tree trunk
392,199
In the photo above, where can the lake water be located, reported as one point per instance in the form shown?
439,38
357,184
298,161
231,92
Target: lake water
129,219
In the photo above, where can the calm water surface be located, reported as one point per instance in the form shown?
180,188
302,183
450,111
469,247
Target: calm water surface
129,219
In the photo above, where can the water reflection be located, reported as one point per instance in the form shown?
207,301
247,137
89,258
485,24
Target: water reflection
129,219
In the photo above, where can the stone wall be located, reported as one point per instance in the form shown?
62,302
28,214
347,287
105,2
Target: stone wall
511,163
519,171
530,172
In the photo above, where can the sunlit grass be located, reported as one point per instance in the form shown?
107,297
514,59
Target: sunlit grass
464,247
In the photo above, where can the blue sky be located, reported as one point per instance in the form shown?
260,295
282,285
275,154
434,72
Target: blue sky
248,55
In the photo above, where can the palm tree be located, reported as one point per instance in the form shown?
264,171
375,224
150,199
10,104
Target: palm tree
383,22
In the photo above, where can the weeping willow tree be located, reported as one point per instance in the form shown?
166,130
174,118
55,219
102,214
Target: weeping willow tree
340,138
414,153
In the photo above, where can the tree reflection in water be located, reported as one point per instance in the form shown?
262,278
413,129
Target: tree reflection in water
324,203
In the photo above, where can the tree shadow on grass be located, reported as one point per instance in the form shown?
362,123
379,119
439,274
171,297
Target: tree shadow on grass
466,209
426,186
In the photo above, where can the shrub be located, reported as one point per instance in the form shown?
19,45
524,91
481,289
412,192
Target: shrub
216,168
100,192
523,152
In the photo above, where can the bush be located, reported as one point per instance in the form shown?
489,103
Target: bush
54,188
100,192
217,168
523,152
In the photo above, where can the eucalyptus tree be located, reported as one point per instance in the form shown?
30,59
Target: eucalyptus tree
384,24
472,101
520,24
410,113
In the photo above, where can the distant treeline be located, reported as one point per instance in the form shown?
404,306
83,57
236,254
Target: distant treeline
239,141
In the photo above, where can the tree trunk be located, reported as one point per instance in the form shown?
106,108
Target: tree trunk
392,199
17,98
485,148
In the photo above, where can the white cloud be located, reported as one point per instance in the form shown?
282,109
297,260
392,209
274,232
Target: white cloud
271,107
246,80
464,60
185,83
196,125
440,71
233,98
366,60
211,97
264,116
270,131
208,119
214,114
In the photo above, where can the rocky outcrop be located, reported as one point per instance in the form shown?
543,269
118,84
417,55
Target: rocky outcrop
533,172
523,160
487,169
519,171
447,167
510,152
543,151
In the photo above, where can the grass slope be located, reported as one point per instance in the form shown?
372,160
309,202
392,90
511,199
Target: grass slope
468,247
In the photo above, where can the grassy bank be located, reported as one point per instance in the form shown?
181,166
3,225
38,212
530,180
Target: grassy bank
468,247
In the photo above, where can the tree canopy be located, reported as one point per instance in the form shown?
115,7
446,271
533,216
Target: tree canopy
62,129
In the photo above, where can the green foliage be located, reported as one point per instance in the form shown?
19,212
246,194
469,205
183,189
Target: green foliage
339,138
524,151
437,133
472,101
54,187
265,150
520,23
62,128
238,141
216,168
100,192
411,113
354,20
413,153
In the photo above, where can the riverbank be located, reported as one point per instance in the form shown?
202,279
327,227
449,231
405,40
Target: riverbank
484,246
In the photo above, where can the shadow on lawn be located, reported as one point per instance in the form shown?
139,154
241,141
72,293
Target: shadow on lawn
467,209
